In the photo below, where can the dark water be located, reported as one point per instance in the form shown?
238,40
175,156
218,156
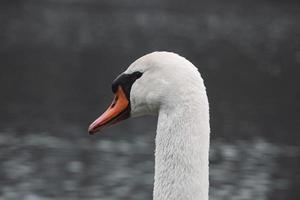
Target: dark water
42,166
57,61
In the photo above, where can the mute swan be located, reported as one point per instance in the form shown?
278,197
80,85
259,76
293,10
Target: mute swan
167,85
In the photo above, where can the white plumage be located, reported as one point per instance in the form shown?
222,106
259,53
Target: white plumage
172,88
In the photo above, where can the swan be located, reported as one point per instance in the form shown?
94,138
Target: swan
169,86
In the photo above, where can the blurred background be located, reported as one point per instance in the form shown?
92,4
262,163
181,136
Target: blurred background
59,57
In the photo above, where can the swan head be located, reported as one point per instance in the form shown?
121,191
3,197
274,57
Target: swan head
156,80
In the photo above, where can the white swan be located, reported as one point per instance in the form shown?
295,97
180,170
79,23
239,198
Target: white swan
170,86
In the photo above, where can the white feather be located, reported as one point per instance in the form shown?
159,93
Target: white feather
172,88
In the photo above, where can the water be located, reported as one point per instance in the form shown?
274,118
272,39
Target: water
43,166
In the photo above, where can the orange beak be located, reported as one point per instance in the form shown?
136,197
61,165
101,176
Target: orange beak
117,111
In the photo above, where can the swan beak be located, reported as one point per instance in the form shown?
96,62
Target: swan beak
117,111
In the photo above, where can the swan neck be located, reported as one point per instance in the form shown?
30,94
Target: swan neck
181,152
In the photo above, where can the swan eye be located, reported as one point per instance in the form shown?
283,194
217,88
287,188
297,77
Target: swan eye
138,75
